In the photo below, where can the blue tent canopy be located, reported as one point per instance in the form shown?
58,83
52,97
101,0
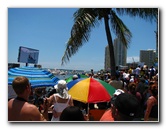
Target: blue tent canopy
38,77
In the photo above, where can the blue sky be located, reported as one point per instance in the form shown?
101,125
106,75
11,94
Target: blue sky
48,30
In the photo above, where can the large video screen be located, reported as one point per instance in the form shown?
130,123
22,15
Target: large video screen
28,55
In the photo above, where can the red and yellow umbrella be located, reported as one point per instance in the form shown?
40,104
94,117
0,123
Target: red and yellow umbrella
90,90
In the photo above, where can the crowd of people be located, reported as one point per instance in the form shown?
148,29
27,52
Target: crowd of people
135,99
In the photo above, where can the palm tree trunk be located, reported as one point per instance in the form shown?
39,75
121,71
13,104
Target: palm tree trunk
110,44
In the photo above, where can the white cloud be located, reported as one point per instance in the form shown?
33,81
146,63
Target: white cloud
133,59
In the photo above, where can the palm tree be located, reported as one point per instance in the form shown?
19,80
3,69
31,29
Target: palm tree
87,18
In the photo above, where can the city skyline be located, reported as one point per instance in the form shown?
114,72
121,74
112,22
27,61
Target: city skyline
48,29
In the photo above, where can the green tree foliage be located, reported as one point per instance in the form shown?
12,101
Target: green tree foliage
85,19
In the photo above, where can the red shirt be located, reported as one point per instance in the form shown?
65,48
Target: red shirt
107,116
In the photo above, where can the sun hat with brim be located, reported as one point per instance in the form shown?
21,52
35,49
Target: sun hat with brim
61,84
127,104
62,89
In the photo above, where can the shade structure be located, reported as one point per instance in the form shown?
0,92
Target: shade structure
38,77
90,90
69,79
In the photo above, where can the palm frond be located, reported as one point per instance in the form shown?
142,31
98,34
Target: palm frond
144,13
120,29
87,18
84,21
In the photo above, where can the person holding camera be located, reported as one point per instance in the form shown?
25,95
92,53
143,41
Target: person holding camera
19,109
60,100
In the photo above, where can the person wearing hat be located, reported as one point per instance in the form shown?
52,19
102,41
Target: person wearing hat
124,107
75,77
107,116
60,100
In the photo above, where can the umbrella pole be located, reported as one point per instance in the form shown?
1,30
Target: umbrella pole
88,112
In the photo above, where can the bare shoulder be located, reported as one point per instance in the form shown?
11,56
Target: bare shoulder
70,98
32,112
31,106
71,101
10,102
23,110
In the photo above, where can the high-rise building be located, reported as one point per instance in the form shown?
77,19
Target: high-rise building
120,53
107,64
148,57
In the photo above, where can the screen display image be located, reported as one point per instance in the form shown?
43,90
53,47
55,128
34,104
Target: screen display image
28,55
